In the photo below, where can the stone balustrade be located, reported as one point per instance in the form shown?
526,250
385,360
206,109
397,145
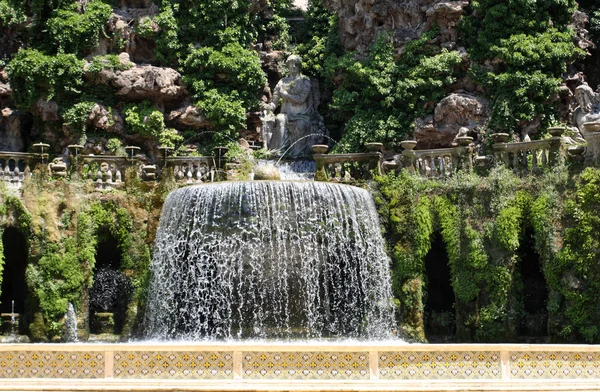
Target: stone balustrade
347,167
192,170
528,157
437,163
106,171
239,366
16,166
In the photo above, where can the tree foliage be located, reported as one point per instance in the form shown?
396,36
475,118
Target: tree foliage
520,50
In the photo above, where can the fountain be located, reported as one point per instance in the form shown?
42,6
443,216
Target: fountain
70,328
269,260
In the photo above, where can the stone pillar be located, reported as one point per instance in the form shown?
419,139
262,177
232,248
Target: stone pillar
320,172
592,152
556,156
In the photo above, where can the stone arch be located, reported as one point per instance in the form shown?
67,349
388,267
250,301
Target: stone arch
111,291
439,302
15,251
14,258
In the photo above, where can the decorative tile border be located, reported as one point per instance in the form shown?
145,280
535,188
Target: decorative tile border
436,365
51,364
527,365
502,363
309,365
216,365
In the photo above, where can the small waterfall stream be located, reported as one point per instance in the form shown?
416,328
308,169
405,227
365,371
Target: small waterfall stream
269,260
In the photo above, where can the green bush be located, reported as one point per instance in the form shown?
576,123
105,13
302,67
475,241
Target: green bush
73,32
530,45
34,75
380,97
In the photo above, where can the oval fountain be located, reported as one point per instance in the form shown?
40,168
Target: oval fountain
269,260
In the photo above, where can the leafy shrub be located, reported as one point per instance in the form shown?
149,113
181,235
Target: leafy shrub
73,32
34,75
531,45
379,97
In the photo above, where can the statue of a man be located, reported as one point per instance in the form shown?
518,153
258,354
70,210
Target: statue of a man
294,119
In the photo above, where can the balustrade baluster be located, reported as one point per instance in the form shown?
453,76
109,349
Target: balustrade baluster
198,174
442,164
189,173
118,177
433,171
534,161
109,176
544,157
16,174
516,162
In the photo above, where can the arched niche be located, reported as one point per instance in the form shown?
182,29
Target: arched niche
13,276
439,313
111,291
533,325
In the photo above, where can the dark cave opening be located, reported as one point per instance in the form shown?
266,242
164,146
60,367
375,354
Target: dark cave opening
112,290
535,291
13,277
439,315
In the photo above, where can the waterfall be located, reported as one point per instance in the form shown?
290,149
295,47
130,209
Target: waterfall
269,260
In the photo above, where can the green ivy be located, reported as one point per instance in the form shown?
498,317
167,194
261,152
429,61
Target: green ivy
71,31
380,97
225,84
531,45
34,75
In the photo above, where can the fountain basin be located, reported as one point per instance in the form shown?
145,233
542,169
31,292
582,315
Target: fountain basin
252,366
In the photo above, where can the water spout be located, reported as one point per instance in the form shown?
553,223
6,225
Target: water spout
70,328
13,320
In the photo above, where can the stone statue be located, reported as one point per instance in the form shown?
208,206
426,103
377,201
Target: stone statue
297,117
588,109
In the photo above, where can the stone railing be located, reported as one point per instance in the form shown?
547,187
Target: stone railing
192,170
16,166
231,367
347,167
528,157
106,171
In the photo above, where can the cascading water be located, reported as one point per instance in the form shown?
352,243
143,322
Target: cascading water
269,260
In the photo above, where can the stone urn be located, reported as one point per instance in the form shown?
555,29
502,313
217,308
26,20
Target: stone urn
464,141
132,151
408,144
500,137
374,146
556,131
320,148
58,168
575,153
593,126
149,172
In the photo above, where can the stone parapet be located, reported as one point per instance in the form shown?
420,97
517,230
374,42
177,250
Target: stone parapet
309,366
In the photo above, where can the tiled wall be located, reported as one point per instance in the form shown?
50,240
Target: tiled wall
301,362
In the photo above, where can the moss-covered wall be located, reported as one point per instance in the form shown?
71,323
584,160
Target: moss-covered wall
64,221
483,222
